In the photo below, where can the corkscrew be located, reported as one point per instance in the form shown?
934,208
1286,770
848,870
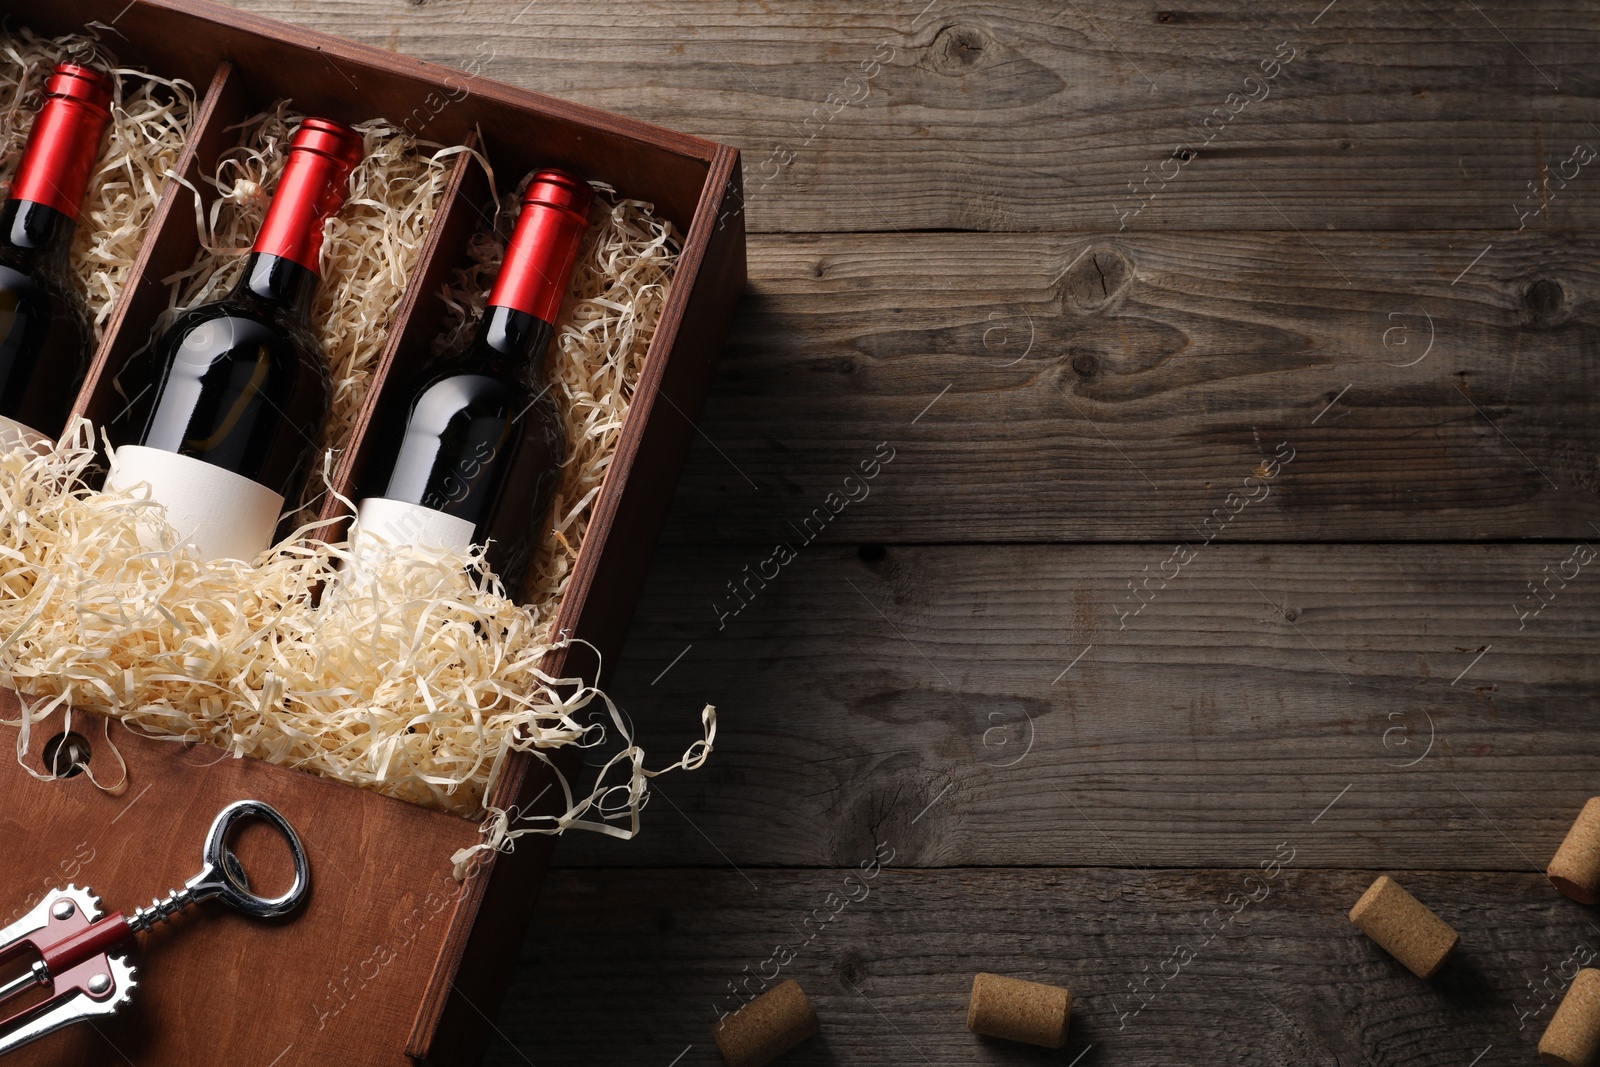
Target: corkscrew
66,946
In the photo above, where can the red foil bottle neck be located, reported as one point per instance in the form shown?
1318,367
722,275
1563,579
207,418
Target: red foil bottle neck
544,246
312,188
65,139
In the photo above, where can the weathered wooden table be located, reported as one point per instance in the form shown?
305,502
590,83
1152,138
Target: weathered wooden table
1180,425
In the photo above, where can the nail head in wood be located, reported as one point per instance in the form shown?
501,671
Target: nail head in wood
1404,927
1573,1037
767,1027
1575,868
1030,1012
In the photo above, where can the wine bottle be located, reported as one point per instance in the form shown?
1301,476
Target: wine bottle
44,329
475,456
243,389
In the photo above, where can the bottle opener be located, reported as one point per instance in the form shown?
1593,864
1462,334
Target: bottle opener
81,957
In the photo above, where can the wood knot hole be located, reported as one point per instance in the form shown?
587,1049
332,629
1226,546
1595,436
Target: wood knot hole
1096,279
1545,302
958,46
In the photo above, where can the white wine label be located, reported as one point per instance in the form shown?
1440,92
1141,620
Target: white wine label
382,524
14,434
223,514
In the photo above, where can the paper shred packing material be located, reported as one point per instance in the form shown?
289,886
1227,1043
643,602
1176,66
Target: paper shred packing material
1573,1037
368,251
150,121
767,1027
1575,868
415,681
1010,1008
1404,927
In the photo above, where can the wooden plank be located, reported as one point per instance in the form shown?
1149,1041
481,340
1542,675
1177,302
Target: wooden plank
1046,388
1015,115
1261,685
632,966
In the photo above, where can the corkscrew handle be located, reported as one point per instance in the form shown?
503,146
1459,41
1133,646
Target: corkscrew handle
224,878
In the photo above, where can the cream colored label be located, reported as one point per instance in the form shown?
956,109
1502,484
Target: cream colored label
223,514
14,434
382,524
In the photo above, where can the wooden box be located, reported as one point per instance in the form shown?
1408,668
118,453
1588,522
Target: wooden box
391,961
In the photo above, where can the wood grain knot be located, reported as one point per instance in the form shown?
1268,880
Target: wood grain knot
958,46
1096,279
1545,303
852,970
960,53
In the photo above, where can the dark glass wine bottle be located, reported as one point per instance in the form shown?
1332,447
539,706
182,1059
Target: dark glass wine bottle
44,329
243,391
473,456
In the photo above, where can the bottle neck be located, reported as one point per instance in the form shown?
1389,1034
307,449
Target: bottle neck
33,235
511,343
543,248
65,140
278,281
310,189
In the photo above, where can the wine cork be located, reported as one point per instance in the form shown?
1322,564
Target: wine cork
1573,1037
767,1027
1019,1011
1404,927
1575,869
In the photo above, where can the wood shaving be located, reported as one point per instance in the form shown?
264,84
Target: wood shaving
415,675
150,121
